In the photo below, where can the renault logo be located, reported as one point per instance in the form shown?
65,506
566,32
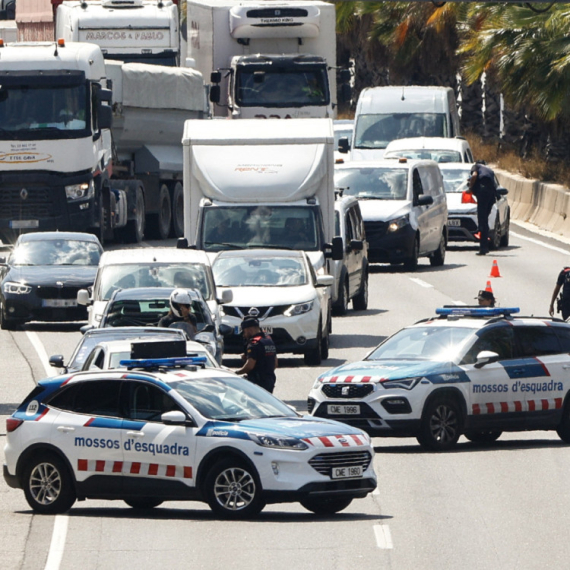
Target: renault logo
253,312
24,194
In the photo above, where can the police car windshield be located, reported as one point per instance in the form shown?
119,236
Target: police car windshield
230,399
423,343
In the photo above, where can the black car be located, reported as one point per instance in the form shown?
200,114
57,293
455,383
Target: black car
42,275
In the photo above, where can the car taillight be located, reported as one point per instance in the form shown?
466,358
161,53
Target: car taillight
468,198
12,424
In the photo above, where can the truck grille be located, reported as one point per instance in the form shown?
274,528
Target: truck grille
278,13
324,462
375,230
39,203
354,390
57,292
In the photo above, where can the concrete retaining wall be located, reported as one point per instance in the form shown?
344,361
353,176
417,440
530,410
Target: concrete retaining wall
545,205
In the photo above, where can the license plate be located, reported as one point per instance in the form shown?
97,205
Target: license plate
454,223
24,224
346,472
343,410
266,330
59,303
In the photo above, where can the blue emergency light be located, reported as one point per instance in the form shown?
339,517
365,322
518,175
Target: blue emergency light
477,311
164,362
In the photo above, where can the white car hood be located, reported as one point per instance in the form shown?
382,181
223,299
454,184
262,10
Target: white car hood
454,205
383,210
367,153
270,296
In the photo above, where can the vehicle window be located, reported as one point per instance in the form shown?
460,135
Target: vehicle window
454,180
95,398
94,360
564,338
537,341
417,184
358,222
349,228
56,252
148,402
373,183
497,339
337,224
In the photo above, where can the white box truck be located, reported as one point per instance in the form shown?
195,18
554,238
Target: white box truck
268,59
257,183
140,31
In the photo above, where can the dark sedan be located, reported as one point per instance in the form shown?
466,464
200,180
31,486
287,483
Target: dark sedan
42,275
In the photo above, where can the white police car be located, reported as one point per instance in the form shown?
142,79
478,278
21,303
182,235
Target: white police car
158,433
470,371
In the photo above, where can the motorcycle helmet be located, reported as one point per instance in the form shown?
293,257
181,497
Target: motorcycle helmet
179,297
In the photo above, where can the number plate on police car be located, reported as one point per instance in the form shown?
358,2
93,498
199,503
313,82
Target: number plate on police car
343,410
346,472
453,222
59,303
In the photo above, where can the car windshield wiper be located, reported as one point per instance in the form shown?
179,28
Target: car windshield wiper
233,419
230,245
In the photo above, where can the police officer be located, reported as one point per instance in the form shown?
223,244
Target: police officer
486,299
563,282
482,186
260,355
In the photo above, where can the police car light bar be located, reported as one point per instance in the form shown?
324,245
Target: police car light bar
477,312
164,362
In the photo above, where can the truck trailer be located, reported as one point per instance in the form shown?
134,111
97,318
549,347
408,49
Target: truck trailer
266,59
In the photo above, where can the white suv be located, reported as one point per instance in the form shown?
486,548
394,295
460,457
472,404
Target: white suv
440,149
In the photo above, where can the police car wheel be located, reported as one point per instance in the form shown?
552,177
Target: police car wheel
232,490
143,503
48,485
326,506
563,430
441,425
488,436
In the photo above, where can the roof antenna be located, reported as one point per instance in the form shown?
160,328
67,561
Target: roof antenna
403,97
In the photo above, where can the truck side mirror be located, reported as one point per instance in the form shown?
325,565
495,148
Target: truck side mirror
105,95
343,145
345,93
215,93
105,116
182,243
83,297
337,248
215,77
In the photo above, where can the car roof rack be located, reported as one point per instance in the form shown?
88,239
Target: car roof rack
156,363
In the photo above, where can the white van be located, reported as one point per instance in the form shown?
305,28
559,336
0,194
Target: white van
384,114
403,206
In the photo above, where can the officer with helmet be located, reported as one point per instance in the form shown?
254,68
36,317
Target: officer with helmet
260,355
180,315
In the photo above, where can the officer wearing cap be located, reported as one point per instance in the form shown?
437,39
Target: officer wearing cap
260,355
486,299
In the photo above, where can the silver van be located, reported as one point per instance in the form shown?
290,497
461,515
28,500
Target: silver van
403,206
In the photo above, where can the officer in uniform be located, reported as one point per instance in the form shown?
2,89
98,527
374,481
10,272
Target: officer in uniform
563,282
482,186
260,355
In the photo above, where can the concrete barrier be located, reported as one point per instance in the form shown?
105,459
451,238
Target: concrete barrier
544,205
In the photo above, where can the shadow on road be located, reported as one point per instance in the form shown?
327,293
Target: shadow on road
356,340
53,327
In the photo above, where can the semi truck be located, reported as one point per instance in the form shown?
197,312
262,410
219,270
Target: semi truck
268,184
140,31
266,59
62,166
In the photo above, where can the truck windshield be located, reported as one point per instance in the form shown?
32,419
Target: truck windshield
373,183
376,131
241,227
281,87
42,110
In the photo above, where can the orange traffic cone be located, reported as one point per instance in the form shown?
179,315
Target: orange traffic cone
489,288
495,269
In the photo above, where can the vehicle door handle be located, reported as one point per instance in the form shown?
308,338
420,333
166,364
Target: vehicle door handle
136,433
65,429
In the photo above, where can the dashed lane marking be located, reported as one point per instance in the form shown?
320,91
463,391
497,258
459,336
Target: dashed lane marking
383,536
57,545
421,283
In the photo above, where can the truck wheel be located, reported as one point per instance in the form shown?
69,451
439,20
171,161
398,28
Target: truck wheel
341,306
314,357
159,226
326,505
437,258
360,302
411,264
48,485
505,236
134,230
178,211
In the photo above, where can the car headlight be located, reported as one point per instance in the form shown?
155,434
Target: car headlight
80,191
16,288
398,223
403,383
276,442
299,309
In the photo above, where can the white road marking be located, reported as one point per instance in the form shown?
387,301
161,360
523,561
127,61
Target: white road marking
421,283
383,536
376,491
41,351
538,242
57,542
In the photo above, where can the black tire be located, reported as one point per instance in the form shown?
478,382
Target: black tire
505,236
143,503
411,264
495,238
159,226
326,505
488,436
314,357
325,345
563,430
437,259
7,324
178,211
232,489
48,485
100,232
133,232
360,302
341,305
441,424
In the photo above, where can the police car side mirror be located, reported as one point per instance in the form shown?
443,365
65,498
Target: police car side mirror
176,418
57,361
226,330
486,357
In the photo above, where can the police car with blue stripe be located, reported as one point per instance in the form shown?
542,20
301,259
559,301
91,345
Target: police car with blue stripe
169,429
471,371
